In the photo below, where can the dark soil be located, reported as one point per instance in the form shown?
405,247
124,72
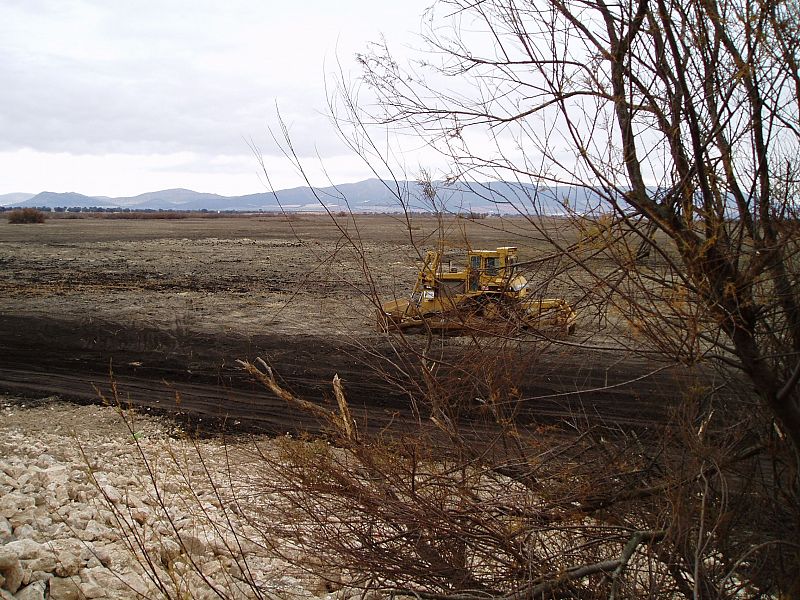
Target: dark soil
165,309
196,375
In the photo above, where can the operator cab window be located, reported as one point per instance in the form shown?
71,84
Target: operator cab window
492,265
474,274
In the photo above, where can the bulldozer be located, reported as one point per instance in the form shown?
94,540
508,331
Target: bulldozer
482,293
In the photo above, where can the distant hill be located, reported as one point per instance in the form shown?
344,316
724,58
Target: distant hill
14,198
174,198
372,195
67,199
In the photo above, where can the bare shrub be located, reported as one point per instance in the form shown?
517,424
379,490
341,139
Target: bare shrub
468,508
493,508
26,215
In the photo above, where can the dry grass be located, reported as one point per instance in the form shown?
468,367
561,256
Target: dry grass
165,215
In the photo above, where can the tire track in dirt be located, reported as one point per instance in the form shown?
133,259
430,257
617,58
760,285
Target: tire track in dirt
152,368
194,375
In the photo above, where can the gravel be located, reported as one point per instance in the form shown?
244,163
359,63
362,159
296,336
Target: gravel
97,502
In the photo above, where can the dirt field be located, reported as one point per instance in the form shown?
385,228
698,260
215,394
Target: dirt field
169,305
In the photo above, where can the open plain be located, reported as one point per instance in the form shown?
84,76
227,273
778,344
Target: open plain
165,308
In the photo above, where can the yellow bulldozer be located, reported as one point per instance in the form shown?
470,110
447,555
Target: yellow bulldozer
480,292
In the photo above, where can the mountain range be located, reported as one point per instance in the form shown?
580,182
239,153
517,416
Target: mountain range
370,196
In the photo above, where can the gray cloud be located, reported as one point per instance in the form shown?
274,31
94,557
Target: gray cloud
160,82
164,106
83,79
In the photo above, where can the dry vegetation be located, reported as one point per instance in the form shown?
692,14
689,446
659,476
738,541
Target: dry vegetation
26,215
472,508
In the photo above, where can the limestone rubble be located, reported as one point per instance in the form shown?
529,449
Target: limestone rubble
92,509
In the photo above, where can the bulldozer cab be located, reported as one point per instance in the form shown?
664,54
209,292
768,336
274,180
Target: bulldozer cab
492,270
477,271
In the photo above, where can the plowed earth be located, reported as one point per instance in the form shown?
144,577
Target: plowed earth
164,308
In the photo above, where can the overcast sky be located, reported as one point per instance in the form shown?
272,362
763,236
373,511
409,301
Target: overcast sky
116,98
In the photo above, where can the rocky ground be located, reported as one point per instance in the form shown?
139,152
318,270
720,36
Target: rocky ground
94,505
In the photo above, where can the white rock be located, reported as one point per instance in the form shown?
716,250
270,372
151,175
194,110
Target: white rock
59,500
77,491
132,499
66,588
184,523
193,544
34,591
125,585
121,558
91,590
58,530
71,546
136,584
79,516
180,567
15,471
24,517
78,476
101,532
222,546
7,483
38,576
53,475
171,486
45,562
45,461
15,502
11,570
170,550
25,531
67,564
5,530
111,494
109,517
140,515
102,554
25,549
233,568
